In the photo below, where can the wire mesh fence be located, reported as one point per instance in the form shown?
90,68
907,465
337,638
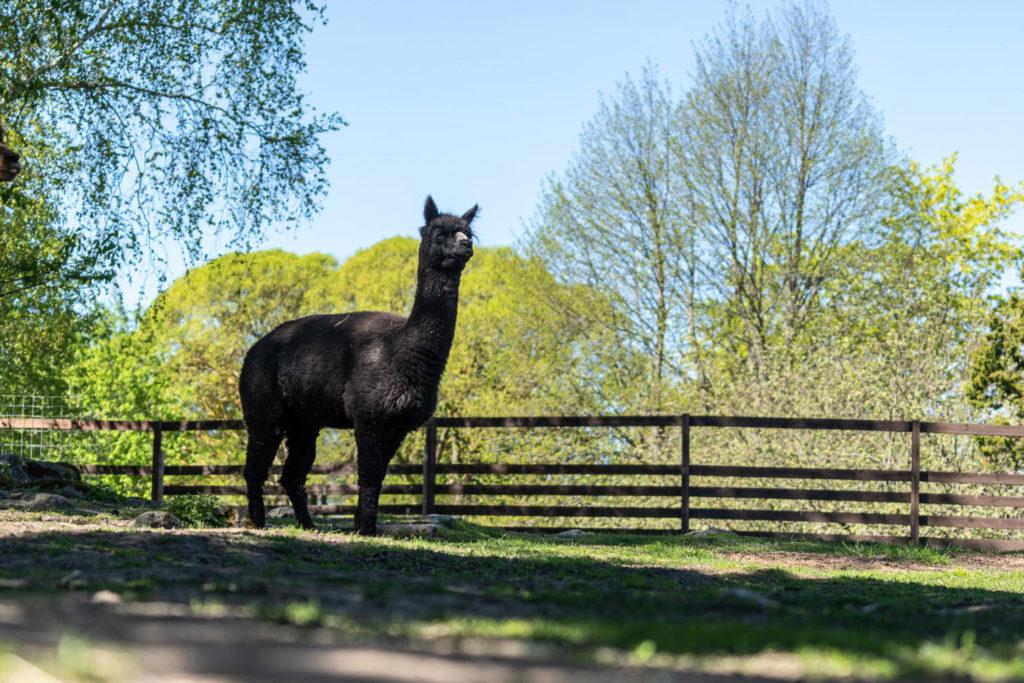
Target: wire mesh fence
36,440
40,444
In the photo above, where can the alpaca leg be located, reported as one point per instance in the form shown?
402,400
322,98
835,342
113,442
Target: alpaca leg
301,453
370,466
259,456
383,445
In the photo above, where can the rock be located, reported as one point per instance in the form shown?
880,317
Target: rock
711,531
42,469
156,519
571,533
404,530
280,513
753,598
72,580
39,501
72,493
105,598
443,520
17,471
12,471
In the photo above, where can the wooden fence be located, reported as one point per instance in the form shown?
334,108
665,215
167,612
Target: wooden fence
683,492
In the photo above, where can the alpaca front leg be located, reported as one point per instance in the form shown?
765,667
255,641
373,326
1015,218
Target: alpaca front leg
369,497
369,462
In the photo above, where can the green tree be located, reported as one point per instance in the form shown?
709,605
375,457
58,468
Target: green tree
511,355
898,324
996,382
154,121
783,161
612,223
47,280
116,374
807,269
204,323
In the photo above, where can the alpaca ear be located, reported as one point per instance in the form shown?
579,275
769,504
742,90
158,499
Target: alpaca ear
430,211
471,214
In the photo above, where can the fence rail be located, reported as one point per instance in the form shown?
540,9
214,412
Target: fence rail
684,492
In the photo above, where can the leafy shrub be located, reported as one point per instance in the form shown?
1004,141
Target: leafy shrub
198,511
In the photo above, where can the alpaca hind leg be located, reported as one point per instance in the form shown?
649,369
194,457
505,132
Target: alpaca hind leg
301,445
259,456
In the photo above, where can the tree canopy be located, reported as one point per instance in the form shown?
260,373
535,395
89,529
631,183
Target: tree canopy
183,357
154,121
767,249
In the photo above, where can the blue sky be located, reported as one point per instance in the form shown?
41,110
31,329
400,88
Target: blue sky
478,101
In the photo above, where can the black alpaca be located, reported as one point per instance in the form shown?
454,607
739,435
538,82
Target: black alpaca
375,372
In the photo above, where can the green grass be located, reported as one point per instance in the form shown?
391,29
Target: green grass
827,609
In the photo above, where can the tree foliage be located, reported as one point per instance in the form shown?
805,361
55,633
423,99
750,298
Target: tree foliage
898,323
46,282
717,220
160,120
612,222
800,266
183,357
783,162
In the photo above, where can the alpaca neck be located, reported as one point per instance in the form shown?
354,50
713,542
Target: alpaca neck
428,334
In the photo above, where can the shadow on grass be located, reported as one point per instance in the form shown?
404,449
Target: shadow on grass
537,589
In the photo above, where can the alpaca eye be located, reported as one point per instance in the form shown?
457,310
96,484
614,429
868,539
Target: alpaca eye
439,238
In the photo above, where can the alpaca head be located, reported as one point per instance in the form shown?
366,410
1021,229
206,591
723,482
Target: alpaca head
446,240
10,163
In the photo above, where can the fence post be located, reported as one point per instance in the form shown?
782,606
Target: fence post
157,494
684,503
915,482
429,469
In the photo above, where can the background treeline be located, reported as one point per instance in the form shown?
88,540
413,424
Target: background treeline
747,242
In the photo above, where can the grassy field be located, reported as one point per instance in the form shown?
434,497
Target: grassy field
721,605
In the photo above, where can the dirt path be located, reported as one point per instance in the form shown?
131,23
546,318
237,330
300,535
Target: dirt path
165,642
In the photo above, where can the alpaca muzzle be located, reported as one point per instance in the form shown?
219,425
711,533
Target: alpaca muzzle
463,245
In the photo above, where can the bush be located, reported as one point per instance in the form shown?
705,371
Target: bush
198,511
